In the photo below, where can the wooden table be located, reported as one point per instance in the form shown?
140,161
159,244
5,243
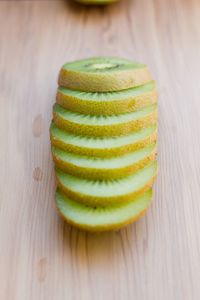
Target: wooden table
41,258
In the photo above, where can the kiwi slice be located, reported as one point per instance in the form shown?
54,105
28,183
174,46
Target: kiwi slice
102,125
103,74
103,168
106,192
102,147
108,103
102,218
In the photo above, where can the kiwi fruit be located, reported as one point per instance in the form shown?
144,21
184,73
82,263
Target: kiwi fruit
103,168
102,146
102,218
102,125
106,192
108,103
103,74
96,2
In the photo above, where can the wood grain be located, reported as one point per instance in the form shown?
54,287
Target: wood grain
40,256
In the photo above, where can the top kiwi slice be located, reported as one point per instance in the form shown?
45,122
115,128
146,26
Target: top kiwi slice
103,74
108,103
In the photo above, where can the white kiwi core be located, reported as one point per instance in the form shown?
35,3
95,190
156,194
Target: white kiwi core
102,66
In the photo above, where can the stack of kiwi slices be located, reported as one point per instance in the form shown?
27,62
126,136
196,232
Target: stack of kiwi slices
104,142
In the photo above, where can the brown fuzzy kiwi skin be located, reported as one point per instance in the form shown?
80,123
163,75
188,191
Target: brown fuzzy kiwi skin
109,108
106,130
104,227
103,174
107,152
104,201
98,82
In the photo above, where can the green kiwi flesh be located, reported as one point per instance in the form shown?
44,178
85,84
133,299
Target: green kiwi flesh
102,146
103,168
102,218
103,74
108,103
102,125
106,192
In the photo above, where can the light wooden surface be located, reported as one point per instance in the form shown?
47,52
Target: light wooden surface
41,258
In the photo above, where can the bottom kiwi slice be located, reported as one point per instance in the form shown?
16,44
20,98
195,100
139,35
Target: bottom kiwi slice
102,218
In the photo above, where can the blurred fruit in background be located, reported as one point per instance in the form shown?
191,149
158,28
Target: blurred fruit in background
96,2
